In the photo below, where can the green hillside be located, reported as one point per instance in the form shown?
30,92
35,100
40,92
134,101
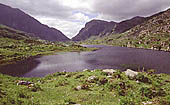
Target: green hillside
16,45
152,34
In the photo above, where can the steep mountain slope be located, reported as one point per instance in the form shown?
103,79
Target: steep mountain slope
152,34
102,28
128,24
94,28
19,20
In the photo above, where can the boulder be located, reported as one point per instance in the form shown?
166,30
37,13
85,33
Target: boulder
92,79
78,88
109,71
87,70
109,76
24,83
31,86
131,73
82,87
147,103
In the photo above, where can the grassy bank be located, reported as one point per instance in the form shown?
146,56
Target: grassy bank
16,45
154,41
86,88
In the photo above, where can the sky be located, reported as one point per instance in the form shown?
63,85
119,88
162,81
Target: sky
69,16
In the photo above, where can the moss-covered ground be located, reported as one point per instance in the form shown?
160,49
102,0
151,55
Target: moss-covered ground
97,88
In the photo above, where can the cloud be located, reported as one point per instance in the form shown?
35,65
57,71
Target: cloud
50,8
79,17
70,16
69,28
123,9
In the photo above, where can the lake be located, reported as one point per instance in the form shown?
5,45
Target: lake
106,57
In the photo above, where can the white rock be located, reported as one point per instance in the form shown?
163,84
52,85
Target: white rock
86,70
92,78
78,88
110,71
137,81
24,83
131,73
109,76
146,103
93,70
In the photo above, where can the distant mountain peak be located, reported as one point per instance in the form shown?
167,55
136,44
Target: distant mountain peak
100,27
17,19
94,28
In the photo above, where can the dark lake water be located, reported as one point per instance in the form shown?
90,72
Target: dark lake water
106,57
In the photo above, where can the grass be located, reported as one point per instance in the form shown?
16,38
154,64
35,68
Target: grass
60,89
159,41
16,46
152,34
63,88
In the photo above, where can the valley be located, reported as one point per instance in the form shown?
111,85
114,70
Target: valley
17,45
106,63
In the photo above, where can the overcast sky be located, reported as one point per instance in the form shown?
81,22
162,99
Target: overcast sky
69,16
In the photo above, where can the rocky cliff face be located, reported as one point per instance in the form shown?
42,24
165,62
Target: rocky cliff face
19,20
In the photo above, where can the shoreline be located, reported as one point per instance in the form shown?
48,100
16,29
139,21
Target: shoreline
14,61
128,47
125,66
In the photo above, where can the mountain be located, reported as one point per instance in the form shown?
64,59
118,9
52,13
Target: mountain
153,33
101,28
17,45
128,24
94,28
19,20
156,24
